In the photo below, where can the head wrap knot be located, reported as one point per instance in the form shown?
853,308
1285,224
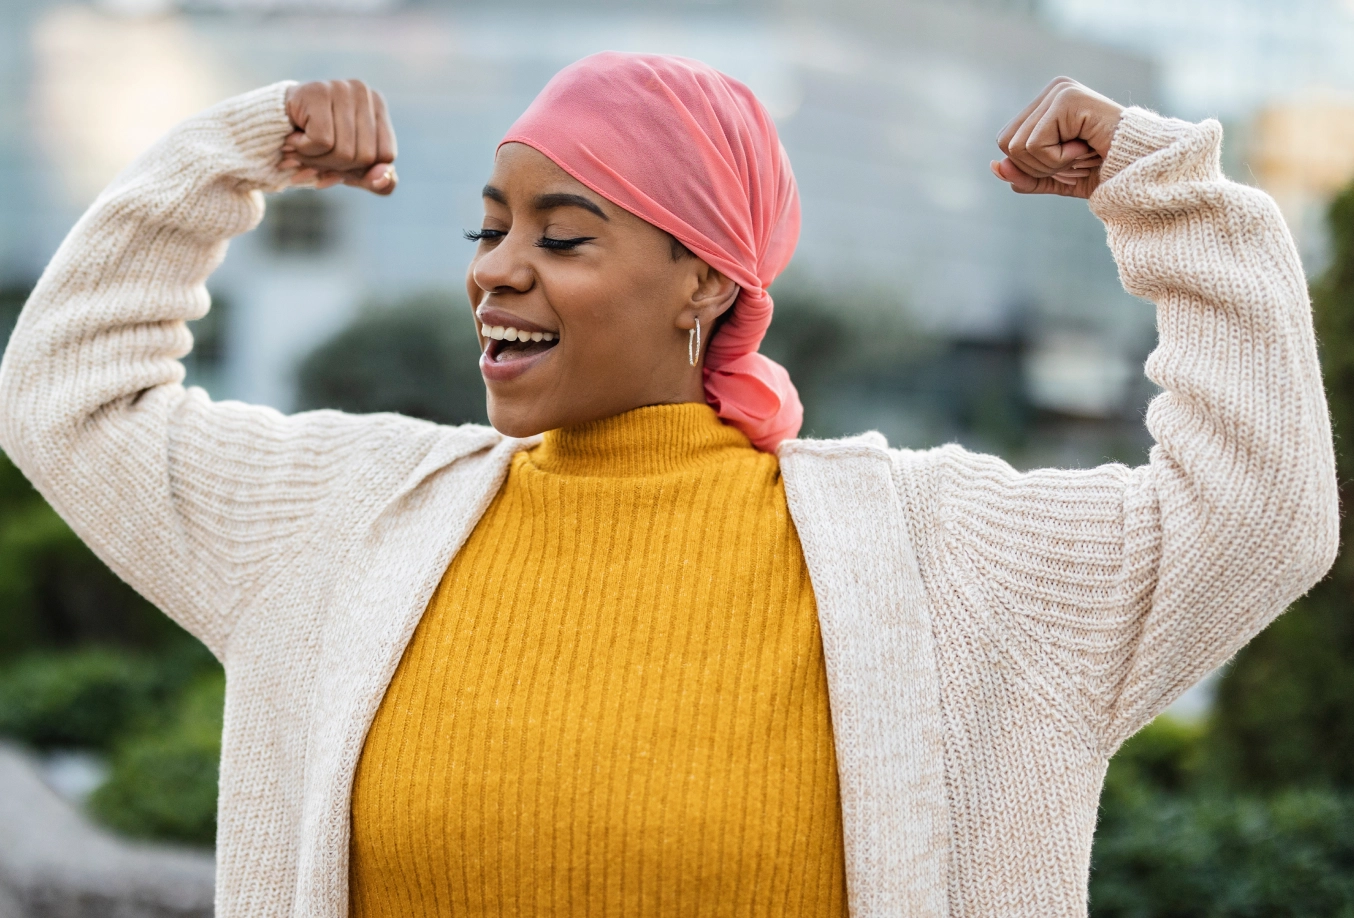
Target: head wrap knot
692,151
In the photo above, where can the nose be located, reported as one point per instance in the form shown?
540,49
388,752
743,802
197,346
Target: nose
504,268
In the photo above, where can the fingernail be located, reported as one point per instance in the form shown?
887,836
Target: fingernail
387,178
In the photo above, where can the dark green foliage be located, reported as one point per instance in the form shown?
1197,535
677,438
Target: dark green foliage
419,358
1175,842
1166,755
159,715
92,696
78,698
164,780
1285,709
1220,856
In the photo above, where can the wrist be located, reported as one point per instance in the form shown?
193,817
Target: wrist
1107,120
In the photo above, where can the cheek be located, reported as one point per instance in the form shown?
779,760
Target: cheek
607,307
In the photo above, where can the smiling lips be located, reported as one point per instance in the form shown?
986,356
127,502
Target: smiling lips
510,351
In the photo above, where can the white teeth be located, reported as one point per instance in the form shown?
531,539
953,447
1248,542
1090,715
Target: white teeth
508,333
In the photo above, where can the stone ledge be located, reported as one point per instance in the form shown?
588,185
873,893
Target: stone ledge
55,864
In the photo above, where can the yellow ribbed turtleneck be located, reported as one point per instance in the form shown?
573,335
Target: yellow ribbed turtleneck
616,701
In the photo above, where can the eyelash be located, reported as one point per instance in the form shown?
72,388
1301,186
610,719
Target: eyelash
545,242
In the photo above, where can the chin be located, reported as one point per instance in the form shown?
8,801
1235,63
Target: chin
516,423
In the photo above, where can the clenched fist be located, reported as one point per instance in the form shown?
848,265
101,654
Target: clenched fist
343,134
1057,144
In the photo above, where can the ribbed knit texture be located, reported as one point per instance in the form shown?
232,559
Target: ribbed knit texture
990,636
616,702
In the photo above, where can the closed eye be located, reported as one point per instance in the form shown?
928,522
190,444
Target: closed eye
481,235
546,242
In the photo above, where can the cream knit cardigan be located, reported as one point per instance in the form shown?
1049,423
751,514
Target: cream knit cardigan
991,637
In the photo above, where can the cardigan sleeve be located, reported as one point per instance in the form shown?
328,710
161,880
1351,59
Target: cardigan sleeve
1115,589
195,503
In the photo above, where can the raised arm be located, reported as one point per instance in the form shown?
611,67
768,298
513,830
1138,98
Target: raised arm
1115,589
194,503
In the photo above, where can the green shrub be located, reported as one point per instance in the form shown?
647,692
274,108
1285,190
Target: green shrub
85,697
1166,755
1210,855
1175,841
164,782
93,696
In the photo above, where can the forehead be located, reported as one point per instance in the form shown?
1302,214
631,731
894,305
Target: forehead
518,167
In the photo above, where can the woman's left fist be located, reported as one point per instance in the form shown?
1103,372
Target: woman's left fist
1057,144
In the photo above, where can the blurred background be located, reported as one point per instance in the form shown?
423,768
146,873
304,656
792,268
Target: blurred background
926,301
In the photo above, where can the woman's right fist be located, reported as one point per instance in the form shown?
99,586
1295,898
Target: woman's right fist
343,134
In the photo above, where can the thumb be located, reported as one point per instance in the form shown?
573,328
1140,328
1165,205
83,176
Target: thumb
1012,175
379,179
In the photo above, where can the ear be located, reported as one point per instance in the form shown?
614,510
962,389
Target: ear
713,295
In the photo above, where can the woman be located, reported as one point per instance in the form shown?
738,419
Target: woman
667,659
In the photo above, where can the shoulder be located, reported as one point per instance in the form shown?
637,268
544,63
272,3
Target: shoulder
368,455
832,456
863,468
938,483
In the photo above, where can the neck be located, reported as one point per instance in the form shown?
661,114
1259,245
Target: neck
652,440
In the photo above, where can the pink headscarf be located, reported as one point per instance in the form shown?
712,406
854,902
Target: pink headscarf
693,152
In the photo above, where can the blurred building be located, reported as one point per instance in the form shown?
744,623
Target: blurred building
1301,151
889,111
1280,76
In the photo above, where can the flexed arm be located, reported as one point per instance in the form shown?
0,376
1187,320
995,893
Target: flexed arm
192,502
1114,589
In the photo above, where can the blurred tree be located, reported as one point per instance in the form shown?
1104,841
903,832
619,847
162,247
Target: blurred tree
1207,855
1284,714
93,696
1172,842
418,357
80,698
164,780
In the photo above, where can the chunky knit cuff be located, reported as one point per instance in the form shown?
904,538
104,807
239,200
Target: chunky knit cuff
259,123
240,137
1140,133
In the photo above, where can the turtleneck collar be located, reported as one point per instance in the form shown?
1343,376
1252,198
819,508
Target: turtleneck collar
653,440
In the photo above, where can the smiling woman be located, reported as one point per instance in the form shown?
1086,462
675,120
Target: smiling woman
636,649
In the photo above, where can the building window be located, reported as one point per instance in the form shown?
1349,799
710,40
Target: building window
301,222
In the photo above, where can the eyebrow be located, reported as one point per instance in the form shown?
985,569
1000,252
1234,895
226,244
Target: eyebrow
549,201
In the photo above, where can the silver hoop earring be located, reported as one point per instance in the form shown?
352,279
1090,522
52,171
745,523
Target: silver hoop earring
693,342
